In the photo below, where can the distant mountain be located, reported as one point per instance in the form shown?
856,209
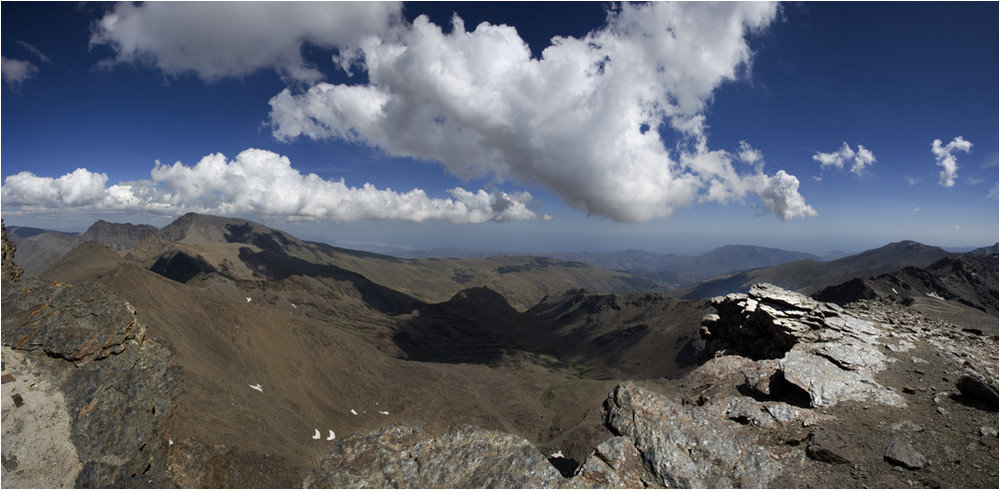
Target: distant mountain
808,276
960,289
38,249
684,270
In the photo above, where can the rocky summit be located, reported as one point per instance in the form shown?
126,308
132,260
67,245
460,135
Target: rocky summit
268,366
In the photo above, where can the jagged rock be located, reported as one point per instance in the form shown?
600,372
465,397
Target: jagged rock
11,271
119,388
687,446
901,452
79,324
616,463
466,457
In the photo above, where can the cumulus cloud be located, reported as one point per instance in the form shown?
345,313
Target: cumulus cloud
218,39
587,120
861,158
14,72
257,182
946,159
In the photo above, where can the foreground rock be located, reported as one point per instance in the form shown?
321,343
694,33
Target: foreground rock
90,394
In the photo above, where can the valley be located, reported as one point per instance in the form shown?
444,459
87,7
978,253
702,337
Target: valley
264,339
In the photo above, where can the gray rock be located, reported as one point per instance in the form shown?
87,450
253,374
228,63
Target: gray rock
466,457
616,463
828,384
688,446
901,452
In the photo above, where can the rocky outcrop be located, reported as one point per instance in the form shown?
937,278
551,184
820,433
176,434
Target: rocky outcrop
11,271
820,348
688,446
106,391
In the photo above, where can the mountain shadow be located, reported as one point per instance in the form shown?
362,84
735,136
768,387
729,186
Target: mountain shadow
585,335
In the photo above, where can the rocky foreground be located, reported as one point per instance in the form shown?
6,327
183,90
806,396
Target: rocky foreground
794,393
798,393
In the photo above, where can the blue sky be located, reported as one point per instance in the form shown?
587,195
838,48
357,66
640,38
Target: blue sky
512,126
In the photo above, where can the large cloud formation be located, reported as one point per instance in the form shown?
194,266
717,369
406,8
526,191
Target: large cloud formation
218,39
256,182
588,120
947,161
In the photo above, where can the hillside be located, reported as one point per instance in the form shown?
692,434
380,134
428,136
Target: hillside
960,289
808,276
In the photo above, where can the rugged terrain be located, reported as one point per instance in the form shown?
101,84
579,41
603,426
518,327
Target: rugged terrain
218,352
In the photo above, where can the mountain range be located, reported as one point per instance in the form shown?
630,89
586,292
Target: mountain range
220,346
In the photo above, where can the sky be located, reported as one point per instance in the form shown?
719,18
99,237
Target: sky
520,127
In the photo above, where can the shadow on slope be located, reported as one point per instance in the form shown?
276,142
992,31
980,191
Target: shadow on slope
637,336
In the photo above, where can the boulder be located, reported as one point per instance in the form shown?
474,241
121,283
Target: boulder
688,446
900,452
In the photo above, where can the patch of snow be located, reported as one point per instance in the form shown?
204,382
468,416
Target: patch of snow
352,411
383,412
894,291
248,299
317,435
170,442
557,454
934,295
257,387
332,436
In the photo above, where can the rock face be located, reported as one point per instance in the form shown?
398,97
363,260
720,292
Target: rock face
11,271
99,392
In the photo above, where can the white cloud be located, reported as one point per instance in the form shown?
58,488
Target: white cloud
14,72
946,160
222,39
862,158
584,120
257,182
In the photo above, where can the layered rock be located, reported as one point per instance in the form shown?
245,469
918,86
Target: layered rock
820,348
99,392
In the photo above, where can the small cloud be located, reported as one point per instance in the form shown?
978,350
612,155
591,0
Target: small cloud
15,72
956,227
916,210
993,192
946,160
912,181
862,158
